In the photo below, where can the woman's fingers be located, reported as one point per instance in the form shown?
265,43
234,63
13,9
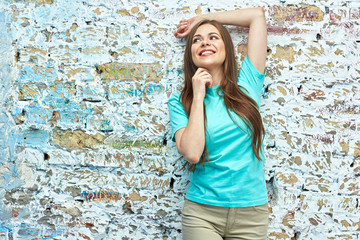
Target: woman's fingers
199,71
180,33
182,28
182,23
201,80
203,76
185,25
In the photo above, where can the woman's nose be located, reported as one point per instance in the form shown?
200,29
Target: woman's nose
204,42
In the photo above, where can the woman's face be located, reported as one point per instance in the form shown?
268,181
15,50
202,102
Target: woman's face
208,48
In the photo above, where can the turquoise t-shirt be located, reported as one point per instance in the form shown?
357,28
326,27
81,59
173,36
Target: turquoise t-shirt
234,177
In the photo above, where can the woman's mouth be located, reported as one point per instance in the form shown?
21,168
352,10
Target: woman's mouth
205,53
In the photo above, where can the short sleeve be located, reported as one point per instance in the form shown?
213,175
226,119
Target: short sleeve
178,118
251,79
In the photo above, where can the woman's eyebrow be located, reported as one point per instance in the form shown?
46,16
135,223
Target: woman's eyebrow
199,35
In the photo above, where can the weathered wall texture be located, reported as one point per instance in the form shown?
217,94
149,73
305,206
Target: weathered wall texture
85,147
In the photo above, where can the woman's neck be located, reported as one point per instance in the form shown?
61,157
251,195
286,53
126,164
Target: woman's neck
217,76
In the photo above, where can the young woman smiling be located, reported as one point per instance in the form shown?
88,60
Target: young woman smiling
217,127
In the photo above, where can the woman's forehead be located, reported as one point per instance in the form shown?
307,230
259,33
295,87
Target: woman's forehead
206,29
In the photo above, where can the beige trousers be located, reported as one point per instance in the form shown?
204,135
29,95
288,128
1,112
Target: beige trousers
207,222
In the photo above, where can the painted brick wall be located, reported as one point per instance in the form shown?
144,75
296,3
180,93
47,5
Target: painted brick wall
85,148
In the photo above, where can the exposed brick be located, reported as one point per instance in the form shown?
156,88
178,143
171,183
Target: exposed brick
147,182
357,149
152,145
290,13
322,184
285,53
287,179
345,14
350,185
103,195
28,92
134,71
110,158
33,54
76,139
119,90
278,235
288,220
123,12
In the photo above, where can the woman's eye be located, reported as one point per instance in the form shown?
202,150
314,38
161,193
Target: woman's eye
196,40
213,37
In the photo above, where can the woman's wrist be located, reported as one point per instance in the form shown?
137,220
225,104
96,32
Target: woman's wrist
198,99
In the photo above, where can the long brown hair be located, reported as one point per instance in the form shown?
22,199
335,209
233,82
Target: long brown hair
234,98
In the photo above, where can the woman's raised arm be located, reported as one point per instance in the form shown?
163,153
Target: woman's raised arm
253,18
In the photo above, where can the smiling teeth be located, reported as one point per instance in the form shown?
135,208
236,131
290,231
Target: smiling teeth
206,52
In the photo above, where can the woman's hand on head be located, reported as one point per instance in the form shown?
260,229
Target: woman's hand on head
185,25
201,80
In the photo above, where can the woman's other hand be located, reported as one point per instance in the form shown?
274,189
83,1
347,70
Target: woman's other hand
201,80
185,25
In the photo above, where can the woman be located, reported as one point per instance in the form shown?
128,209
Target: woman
217,127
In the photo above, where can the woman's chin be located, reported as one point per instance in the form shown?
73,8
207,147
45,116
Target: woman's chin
208,65
205,65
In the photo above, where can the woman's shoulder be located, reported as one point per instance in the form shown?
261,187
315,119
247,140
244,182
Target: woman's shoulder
174,98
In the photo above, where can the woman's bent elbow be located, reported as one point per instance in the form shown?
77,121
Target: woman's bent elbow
260,12
190,156
193,159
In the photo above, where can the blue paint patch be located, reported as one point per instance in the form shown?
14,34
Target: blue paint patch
10,178
5,231
53,233
63,12
35,115
129,127
5,69
55,102
2,16
126,91
5,123
149,89
175,74
4,153
92,92
72,115
13,135
97,123
35,138
27,230
37,74
87,76
43,14
59,94
16,112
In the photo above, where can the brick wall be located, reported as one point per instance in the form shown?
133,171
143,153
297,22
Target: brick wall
85,148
